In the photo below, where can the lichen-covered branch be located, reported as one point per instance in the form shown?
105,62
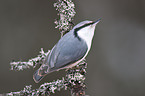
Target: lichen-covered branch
66,14
74,81
30,63
44,90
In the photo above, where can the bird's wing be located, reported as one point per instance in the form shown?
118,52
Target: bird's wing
68,50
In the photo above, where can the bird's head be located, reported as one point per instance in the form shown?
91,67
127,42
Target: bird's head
85,30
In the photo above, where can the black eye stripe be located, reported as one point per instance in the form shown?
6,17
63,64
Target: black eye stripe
83,26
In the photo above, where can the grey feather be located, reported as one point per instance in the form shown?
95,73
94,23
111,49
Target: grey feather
67,51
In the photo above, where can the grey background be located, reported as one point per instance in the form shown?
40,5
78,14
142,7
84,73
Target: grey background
116,62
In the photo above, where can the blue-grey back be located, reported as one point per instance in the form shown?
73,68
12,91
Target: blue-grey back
69,49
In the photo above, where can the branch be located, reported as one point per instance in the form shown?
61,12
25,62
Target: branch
75,77
66,14
74,81
31,62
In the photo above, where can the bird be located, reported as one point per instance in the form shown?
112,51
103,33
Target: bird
71,49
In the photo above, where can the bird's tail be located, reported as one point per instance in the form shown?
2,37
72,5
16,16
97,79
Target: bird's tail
37,77
41,72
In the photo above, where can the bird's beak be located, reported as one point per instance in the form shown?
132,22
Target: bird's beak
96,22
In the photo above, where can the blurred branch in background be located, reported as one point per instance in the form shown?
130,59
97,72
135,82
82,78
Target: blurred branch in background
74,79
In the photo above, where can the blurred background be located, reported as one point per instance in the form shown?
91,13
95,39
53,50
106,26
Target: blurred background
116,62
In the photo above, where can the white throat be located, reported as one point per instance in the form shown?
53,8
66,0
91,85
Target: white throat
87,34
